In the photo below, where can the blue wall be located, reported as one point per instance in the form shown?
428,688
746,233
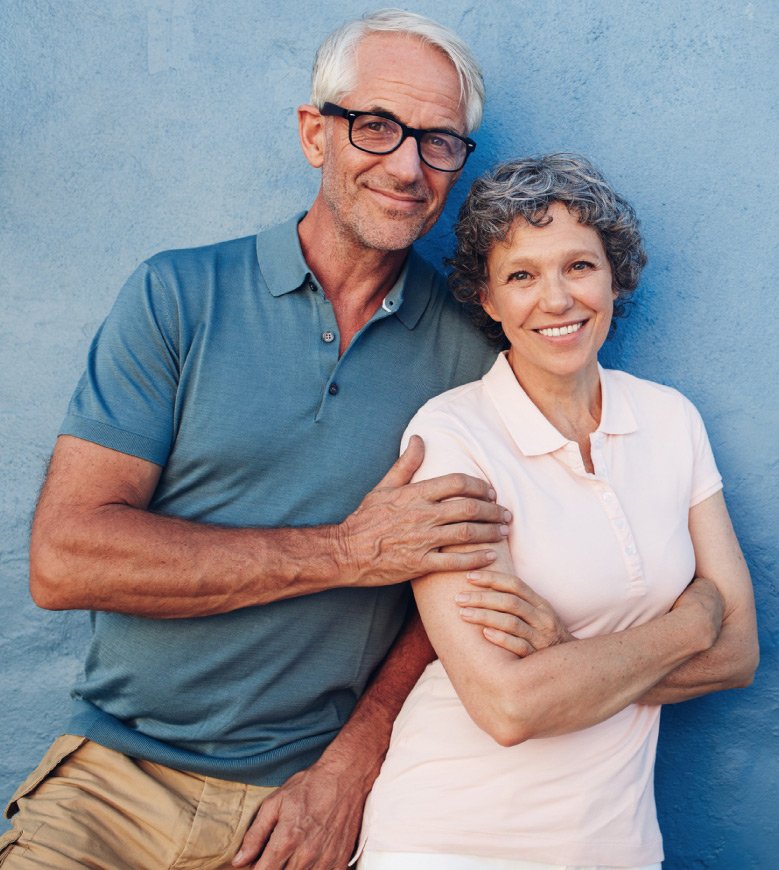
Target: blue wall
136,125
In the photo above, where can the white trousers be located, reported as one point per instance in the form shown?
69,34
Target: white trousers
438,861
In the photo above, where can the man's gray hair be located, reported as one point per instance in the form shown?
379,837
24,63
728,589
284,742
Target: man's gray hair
334,69
525,188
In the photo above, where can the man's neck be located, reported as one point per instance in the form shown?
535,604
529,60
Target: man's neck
354,278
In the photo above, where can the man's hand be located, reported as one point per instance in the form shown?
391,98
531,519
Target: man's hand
396,532
312,821
513,616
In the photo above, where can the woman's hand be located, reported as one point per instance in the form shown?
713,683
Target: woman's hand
513,616
705,598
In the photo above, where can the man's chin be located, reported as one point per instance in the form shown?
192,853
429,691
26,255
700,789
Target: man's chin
394,233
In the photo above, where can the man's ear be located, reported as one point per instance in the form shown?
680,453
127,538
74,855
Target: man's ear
311,128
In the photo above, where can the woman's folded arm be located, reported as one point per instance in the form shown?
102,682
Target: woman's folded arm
570,685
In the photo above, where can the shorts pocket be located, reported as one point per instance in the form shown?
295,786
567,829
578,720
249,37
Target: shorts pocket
6,841
62,747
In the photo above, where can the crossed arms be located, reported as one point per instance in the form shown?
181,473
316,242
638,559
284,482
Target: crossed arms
706,642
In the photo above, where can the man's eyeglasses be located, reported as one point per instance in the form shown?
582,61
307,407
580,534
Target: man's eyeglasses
377,133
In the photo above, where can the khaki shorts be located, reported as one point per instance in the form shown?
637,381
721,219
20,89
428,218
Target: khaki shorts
88,806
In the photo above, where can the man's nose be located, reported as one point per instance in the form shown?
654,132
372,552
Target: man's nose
404,163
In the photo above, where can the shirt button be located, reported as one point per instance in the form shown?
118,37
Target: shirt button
333,389
328,336
312,286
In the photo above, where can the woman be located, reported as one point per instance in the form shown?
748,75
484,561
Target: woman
544,756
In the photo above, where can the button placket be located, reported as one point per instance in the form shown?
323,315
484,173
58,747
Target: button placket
622,531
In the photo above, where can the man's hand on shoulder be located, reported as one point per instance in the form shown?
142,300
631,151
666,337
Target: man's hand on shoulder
398,530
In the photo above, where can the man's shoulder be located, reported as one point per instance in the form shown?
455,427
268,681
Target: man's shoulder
425,278
215,252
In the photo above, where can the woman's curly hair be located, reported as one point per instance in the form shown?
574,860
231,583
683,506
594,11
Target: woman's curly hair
525,188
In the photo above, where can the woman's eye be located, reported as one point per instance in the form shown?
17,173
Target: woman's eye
581,266
518,276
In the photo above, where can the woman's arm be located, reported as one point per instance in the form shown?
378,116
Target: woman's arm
498,602
732,661
567,686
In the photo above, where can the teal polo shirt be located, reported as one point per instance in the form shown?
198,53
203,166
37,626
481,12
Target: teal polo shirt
221,365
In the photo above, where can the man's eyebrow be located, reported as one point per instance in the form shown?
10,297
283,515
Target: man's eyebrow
385,113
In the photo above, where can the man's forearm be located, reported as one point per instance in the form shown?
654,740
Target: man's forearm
95,545
128,560
316,815
363,741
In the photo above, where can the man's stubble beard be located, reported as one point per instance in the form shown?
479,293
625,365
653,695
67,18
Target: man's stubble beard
374,228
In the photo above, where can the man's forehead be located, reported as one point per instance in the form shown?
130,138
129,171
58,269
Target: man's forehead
400,73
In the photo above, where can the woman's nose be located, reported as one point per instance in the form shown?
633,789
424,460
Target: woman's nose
555,296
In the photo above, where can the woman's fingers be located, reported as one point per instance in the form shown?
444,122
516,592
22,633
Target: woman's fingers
504,603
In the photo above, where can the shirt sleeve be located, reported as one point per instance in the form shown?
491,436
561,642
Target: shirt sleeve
706,479
126,396
448,447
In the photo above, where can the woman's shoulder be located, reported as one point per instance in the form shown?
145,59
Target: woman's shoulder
643,392
456,404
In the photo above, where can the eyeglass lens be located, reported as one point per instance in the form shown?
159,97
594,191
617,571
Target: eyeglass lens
380,135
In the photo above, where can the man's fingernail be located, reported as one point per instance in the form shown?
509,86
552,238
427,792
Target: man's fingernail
237,859
492,495
466,612
462,597
504,530
491,555
507,516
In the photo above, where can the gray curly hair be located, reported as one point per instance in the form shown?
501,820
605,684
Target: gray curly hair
525,188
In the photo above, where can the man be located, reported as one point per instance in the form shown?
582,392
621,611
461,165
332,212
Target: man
206,498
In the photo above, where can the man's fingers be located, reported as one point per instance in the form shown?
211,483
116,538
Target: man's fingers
257,835
405,466
472,560
457,534
456,485
460,510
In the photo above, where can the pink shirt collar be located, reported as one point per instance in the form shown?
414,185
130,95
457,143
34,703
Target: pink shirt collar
531,431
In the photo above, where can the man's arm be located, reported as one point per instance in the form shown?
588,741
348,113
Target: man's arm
314,819
96,546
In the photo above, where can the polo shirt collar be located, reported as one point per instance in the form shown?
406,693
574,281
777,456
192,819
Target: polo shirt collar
531,431
284,270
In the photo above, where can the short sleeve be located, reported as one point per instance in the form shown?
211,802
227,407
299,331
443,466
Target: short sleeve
706,479
126,396
448,448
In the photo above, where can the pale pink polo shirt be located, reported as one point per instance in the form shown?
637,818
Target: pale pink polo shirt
607,550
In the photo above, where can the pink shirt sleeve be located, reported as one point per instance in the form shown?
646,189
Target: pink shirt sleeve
706,479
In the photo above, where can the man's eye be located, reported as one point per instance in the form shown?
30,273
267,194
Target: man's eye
376,126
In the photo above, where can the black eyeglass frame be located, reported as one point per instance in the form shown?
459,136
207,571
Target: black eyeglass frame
338,111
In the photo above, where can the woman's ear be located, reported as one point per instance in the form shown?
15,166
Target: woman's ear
484,301
311,129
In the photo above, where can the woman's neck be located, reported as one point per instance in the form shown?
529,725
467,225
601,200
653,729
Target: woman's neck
571,403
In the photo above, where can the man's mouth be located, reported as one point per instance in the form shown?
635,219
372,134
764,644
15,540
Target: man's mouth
557,331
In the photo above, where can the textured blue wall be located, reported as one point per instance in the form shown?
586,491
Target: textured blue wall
137,125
